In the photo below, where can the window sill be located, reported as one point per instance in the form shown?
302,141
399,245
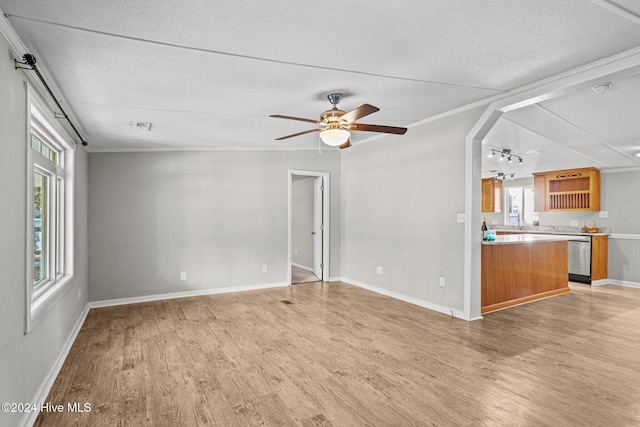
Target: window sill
41,305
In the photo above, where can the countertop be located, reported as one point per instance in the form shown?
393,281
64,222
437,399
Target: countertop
525,238
552,232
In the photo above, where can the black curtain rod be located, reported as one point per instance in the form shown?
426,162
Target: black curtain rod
30,61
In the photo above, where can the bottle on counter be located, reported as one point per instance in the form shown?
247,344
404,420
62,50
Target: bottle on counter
484,228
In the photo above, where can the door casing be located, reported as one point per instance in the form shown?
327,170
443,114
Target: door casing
325,214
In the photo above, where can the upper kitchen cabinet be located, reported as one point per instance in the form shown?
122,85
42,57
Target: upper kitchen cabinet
567,190
491,195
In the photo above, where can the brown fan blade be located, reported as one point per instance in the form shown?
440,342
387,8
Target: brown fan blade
278,116
377,128
298,134
361,111
346,144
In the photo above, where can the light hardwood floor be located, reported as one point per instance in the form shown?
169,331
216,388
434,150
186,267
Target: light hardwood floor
322,354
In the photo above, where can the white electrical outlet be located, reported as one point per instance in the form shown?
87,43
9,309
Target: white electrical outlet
603,214
378,270
183,275
79,294
494,222
460,218
265,268
574,223
441,281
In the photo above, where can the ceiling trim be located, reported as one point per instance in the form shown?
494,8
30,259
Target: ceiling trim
156,149
569,147
618,10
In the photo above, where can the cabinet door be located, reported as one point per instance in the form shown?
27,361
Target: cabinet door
599,257
491,195
539,193
487,195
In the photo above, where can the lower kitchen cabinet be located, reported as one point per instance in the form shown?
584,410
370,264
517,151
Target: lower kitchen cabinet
599,257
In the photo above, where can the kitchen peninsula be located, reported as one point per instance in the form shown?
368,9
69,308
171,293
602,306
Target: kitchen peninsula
520,268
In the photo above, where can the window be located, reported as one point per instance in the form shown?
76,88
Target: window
49,211
519,206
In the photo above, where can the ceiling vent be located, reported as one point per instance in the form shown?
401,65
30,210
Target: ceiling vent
141,125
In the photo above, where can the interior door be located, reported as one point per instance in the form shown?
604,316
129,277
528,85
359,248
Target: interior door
318,227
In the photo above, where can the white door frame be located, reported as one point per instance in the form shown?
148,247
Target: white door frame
325,214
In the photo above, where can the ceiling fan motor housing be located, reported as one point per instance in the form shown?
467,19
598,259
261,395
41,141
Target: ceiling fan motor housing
331,116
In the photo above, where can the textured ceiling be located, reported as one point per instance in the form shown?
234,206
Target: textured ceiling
207,74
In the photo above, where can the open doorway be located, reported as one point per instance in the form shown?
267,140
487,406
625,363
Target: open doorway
308,226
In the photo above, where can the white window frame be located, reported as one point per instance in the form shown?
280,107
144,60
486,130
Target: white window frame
42,122
525,206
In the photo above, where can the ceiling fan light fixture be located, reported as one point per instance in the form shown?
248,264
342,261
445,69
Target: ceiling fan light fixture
334,137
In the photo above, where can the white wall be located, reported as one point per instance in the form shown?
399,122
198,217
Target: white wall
27,359
219,216
400,196
302,198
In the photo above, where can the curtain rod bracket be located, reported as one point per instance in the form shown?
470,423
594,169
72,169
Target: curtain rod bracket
29,63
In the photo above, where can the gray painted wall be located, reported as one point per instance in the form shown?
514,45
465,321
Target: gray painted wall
400,199
27,359
302,195
219,216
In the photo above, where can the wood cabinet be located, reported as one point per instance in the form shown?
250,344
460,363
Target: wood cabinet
516,273
599,257
567,190
491,195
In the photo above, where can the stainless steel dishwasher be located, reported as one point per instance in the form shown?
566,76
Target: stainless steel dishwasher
580,259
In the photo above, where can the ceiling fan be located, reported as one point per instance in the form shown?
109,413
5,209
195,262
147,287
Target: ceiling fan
336,124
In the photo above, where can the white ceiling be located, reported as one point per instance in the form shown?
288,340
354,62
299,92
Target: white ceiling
207,74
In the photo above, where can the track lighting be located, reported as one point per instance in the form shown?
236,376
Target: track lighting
505,152
502,176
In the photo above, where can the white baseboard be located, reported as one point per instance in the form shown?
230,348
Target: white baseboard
160,297
412,300
621,283
304,267
40,397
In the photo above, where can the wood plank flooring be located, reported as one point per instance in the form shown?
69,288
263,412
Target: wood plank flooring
331,354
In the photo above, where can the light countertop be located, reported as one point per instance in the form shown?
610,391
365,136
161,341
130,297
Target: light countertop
525,238
528,230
